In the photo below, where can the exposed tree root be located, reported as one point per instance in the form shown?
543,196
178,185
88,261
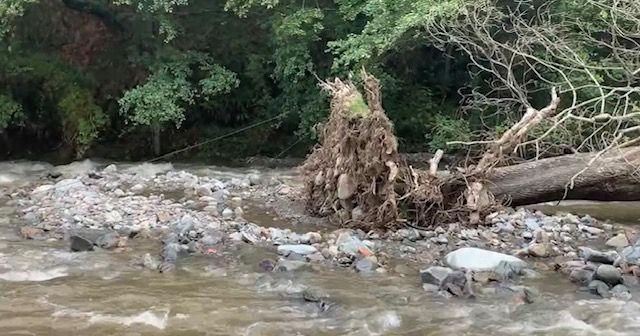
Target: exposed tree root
356,176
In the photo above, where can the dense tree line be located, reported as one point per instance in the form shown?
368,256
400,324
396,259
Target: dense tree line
143,77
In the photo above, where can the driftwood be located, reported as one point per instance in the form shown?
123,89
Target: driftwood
612,177
356,176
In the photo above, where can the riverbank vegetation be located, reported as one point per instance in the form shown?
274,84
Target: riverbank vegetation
137,78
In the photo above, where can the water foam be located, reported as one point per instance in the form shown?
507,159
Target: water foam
21,276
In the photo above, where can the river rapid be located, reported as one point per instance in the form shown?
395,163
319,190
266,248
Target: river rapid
47,290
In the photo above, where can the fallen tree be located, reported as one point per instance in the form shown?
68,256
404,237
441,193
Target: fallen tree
356,176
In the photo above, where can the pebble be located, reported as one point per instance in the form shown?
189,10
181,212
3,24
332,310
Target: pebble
80,244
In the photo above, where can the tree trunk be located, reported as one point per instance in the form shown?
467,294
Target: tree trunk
156,138
610,177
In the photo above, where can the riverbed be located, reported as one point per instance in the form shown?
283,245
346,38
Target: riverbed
48,290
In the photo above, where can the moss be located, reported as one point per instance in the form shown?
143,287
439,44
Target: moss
358,108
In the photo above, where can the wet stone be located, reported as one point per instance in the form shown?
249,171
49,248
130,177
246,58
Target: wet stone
621,292
80,244
435,275
589,254
581,276
599,288
609,274
108,241
366,265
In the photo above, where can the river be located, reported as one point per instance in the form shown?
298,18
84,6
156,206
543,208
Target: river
47,290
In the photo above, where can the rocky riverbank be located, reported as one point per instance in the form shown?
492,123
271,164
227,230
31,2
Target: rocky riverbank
96,207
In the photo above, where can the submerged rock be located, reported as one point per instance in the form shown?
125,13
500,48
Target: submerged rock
478,260
80,244
621,292
366,265
435,275
599,287
29,232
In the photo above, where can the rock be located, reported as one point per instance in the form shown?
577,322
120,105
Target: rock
150,262
541,236
630,280
441,239
538,250
285,265
631,255
591,230
29,232
238,212
504,227
608,274
509,269
80,244
41,190
429,288
531,224
346,187
108,241
204,190
592,255
357,213
581,276
112,217
212,210
254,179
267,265
600,288
618,241
435,275
621,292
299,249
477,260
227,214
458,283
211,238
67,185
366,265
112,168
349,243
137,189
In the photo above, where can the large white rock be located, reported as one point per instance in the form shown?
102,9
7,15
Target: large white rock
475,259
299,249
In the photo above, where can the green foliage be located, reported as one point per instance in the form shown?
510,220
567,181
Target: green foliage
170,89
446,129
9,11
390,23
83,119
10,111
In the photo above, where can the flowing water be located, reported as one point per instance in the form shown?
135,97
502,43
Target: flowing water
47,290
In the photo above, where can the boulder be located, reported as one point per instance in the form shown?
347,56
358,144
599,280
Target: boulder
299,249
608,274
478,260
600,288
618,241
